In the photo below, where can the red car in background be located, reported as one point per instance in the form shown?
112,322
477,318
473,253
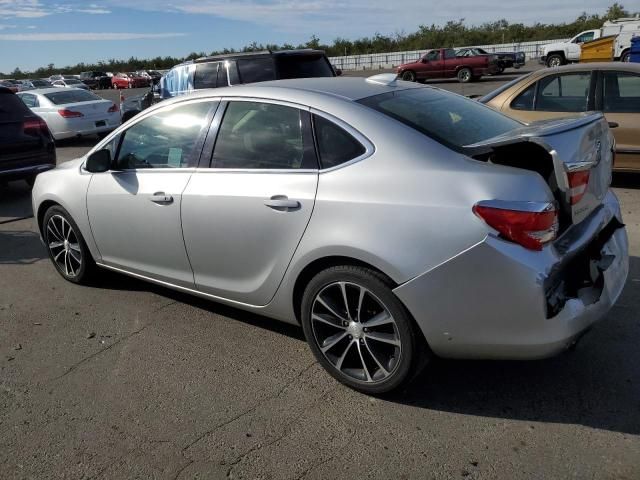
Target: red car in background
138,81
121,80
443,63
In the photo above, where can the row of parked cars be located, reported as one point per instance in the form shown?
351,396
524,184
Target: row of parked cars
280,180
88,80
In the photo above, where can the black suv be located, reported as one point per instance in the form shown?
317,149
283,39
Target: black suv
95,80
26,145
233,69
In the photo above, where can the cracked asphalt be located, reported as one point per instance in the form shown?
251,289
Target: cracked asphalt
125,380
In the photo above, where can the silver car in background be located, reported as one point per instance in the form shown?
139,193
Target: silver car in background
393,221
72,112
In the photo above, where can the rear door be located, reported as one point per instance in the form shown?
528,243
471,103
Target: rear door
243,218
619,98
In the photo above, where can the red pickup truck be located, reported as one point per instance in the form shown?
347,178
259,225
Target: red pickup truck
443,63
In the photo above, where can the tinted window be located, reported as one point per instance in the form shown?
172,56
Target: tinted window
232,68
73,82
433,55
29,100
210,75
490,96
71,96
621,92
166,139
449,53
256,70
585,37
303,66
335,145
11,107
450,119
568,92
524,101
40,83
261,135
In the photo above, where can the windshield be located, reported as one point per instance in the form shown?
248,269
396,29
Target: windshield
71,96
303,66
450,119
491,95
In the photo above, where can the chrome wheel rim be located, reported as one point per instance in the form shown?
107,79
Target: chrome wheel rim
554,62
355,332
465,75
64,246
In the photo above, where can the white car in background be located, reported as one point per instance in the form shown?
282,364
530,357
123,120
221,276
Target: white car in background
72,112
70,83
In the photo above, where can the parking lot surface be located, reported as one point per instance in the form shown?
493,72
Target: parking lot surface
125,379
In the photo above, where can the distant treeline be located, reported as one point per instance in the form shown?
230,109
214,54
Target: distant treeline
452,34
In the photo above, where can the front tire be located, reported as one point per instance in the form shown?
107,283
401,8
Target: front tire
626,57
66,246
408,76
555,60
359,331
465,75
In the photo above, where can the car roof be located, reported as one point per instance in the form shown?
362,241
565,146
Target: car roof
260,53
585,67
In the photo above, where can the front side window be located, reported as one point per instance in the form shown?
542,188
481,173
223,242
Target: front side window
335,145
256,70
585,37
433,55
256,135
165,139
621,92
568,92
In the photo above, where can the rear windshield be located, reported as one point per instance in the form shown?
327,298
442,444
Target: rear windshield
40,83
303,66
450,119
71,96
11,107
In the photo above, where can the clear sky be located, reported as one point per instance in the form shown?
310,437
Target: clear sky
34,33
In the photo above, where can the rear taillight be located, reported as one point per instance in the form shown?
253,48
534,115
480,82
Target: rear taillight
66,113
530,224
35,126
113,108
578,182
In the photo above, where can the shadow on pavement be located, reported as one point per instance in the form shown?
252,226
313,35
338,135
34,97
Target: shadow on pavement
626,180
20,247
15,201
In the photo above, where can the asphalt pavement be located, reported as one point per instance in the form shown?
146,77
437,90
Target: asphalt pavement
127,380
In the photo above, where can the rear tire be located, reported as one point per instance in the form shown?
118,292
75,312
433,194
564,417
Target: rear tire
626,57
408,76
464,75
359,331
66,246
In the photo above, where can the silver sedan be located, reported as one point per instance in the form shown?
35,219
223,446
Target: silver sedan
393,221
72,112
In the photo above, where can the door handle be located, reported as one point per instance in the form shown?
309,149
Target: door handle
282,203
161,197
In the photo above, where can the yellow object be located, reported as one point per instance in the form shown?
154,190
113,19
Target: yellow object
600,50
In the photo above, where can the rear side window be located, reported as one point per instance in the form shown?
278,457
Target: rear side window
450,119
524,101
11,107
303,66
335,145
256,70
29,100
71,96
210,75
621,92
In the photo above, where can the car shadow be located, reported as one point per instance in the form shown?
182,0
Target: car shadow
20,247
594,384
15,201
626,180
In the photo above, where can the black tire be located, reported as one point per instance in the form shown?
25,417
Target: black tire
357,345
408,76
128,115
555,60
626,57
501,69
77,271
464,75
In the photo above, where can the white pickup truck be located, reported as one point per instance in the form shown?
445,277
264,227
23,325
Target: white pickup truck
556,54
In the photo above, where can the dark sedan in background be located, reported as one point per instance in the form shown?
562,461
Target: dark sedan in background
26,145
504,59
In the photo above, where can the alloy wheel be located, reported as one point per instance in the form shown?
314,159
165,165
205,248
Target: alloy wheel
64,246
355,332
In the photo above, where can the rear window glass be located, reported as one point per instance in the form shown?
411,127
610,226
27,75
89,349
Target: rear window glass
209,75
450,119
11,107
303,66
71,96
256,70
335,145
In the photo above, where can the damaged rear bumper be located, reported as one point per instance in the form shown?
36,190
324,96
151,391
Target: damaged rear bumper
497,300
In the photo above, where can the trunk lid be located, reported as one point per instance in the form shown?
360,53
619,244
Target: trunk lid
574,146
91,110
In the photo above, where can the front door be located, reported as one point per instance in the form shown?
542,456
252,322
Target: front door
134,210
244,217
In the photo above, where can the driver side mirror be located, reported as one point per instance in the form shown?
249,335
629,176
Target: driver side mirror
98,162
